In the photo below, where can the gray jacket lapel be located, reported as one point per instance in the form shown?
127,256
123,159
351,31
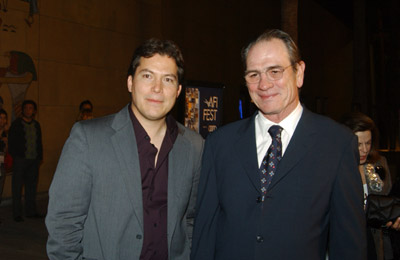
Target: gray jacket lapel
125,147
177,180
302,141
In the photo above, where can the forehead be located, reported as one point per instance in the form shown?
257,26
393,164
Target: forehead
3,116
273,52
364,136
158,64
30,106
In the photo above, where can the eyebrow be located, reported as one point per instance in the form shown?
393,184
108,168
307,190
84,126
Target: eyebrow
152,72
268,68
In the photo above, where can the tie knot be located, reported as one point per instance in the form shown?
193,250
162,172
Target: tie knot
275,130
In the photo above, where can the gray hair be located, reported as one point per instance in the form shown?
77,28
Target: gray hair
268,35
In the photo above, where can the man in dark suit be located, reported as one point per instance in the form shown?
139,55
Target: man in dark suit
126,184
310,199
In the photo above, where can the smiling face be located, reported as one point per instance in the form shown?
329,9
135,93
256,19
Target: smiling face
275,99
154,88
364,144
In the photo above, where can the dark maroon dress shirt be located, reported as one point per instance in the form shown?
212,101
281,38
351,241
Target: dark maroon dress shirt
154,188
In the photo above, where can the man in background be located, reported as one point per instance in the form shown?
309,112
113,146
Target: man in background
85,110
25,147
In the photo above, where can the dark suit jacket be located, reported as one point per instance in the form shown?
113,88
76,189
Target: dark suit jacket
95,209
17,139
315,198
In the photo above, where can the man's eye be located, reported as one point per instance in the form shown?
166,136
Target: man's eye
146,76
169,80
252,75
275,71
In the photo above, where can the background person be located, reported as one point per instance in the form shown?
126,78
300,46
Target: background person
85,110
25,147
3,148
374,172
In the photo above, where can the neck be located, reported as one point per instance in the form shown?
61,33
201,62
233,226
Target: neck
27,119
281,115
155,129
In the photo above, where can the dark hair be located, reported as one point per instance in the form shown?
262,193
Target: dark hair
359,122
28,101
154,46
270,34
85,102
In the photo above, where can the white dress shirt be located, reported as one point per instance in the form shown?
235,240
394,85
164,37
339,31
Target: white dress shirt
263,138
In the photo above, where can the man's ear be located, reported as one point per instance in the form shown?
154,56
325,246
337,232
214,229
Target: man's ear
301,67
179,90
129,83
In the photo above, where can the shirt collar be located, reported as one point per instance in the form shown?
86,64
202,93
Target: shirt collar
288,124
140,132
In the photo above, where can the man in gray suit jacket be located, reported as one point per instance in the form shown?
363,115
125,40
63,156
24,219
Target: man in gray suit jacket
314,200
126,184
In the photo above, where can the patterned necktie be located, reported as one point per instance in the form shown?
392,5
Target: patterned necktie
271,159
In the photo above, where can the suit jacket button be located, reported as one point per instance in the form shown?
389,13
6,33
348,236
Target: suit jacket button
139,236
260,239
259,199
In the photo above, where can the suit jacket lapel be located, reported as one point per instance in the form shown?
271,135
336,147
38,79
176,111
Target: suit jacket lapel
125,147
301,142
246,151
177,178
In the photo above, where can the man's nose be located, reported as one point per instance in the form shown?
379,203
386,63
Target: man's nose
265,83
157,86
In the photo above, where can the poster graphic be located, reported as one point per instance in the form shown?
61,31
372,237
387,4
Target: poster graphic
18,76
203,108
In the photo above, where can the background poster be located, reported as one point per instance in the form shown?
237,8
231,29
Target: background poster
203,108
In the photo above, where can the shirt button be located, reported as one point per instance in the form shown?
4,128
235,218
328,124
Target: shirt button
260,239
139,236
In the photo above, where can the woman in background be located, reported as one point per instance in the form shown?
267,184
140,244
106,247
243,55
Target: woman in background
374,173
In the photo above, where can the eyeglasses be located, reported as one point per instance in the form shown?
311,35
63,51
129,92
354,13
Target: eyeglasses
272,73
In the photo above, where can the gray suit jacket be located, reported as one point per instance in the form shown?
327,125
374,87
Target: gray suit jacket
95,208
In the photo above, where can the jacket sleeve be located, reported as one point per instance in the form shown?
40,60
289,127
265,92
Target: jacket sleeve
12,139
387,187
39,142
347,236
195,183
69,198
205,228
